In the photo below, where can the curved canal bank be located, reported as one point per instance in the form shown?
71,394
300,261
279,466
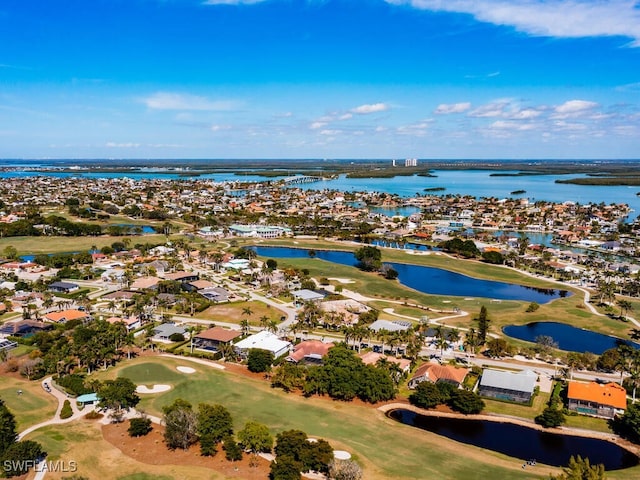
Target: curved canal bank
549,446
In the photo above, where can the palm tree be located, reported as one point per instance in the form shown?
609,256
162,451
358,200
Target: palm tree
264,322
471,339
244,324
625,306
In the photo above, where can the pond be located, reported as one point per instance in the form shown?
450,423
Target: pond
434,281
521,442
568,337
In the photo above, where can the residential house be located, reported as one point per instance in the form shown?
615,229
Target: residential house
300,297
63,287
131,322
390,326
597,399
215,294
434,372
309,352
183,277
64,316
213,338
506,385
162,332
263,340
372,358
145,283
24,327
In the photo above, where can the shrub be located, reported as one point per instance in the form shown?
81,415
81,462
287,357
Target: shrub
426,395
176,337
74,384
139,427
259,360
66,411
466,402
93,415
533,306
550,417
232,450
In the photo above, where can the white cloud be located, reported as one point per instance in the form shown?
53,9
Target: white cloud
447,108
509,125
317,125
180,101
345,116
122,145
419,129
330,132
525,114
219,128
370,108
552,18
567,126
575,106
493,109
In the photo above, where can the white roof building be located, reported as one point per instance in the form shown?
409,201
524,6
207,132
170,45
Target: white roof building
264,340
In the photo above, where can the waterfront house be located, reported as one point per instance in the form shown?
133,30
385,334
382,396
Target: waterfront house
596,399
510,386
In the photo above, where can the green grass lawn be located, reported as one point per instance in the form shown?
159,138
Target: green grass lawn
36,245
569,310
233,312
33,406
386,448
513,409
150,373
588,423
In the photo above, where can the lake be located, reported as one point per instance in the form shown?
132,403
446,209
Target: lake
431,280
480,183
521,442
568,338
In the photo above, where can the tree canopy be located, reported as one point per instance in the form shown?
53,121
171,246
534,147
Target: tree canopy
369,258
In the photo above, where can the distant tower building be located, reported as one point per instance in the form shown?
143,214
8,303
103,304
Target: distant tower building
393,162
411,162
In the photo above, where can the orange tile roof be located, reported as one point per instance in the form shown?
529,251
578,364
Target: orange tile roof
610,394
437,372
65,315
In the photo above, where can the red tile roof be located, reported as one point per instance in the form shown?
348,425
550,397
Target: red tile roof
309,347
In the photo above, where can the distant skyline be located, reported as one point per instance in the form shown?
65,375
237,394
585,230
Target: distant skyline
477,79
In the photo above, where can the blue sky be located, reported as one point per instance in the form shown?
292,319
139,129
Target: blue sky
319,79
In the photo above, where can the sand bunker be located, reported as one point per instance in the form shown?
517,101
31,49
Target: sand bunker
341,280
341,455
186,369
155,389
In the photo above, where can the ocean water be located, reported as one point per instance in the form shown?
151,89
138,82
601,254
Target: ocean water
477,183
